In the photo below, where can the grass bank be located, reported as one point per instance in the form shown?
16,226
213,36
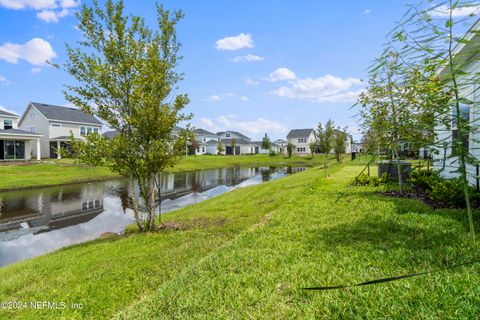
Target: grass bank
58,172
245,254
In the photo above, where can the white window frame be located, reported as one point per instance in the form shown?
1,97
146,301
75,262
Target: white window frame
56,125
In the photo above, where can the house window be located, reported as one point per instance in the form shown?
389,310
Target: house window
302,140
463,142
32,115
83,131
7,124
204,139
95,130
203,149
56,125
14,149
31,129
227,135
89,130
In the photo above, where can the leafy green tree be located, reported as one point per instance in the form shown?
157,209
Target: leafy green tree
313,148
220,147
266,144
326,140
340,146
194,144
125,74
290,147
233,144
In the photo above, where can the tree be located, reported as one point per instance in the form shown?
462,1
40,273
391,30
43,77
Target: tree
325,140
125,74
194,145
266,144
220,147
290,147
313,148
233,144
339,146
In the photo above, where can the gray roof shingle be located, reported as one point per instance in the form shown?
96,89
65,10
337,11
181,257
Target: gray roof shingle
17,132
5,113
299,133
59,113
236,133
203,131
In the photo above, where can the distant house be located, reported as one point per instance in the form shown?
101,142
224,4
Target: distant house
274,147
348,141
207,142
17,144
301,140
55,124
243,144
282,145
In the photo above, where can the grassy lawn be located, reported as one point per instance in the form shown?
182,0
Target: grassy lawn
245,254
56,172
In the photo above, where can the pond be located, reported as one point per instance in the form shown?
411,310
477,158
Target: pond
38,221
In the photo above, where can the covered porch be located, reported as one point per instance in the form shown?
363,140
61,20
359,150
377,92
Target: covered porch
59,143
16,145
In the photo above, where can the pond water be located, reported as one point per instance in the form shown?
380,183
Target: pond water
34,222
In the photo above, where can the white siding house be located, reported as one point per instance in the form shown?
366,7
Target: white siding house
467,59
301,140
55,124
16,144
207,142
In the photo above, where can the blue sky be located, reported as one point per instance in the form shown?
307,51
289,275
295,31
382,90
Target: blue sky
252,66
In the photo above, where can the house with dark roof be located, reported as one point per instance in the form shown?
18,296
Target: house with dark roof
206,142
16,144
301,140
55,124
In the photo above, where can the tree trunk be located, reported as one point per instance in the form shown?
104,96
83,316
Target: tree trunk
325,165
151,203
133,197
466,191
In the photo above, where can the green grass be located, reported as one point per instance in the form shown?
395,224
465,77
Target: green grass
247,253
57,172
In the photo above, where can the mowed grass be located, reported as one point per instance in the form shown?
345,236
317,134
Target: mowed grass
248,253
57,172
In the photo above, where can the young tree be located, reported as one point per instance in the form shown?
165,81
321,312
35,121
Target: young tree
194,145
125,74
220,147
339,146
266,144
325,140
290,147
313,148
233,144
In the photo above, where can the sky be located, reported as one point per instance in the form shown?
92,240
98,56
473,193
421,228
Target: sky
252,66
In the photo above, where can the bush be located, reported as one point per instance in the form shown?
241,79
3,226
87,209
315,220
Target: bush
447,191
273,153
364,180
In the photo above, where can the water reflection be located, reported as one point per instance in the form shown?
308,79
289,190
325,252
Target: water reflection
34,222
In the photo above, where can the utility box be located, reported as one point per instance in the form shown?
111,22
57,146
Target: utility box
391,167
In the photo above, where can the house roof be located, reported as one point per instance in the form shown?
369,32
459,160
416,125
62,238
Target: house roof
280,141
211,142
241,135
110,134
240,141
299,133
5,113
59,113
260,143
18,132
203,131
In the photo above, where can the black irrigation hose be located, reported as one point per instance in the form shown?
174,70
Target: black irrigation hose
389,279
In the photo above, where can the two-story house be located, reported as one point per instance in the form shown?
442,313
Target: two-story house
206,140
56,124
16,144
301,140
243,144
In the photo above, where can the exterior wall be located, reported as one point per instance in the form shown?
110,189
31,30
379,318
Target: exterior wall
247,148
212,149
32,119
305,145
441,161
14,121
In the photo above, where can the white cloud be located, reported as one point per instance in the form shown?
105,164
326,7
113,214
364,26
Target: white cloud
47,10
7,110
367,11
324,89
281,74
51,15
240,41
35,70
254,127
443,11
36,51
247,58
219,97
250,82
3,79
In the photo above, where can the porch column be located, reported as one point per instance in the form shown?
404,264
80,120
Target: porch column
38,149
58,150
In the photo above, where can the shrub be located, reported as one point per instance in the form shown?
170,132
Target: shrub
424,180
364,180
273,153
